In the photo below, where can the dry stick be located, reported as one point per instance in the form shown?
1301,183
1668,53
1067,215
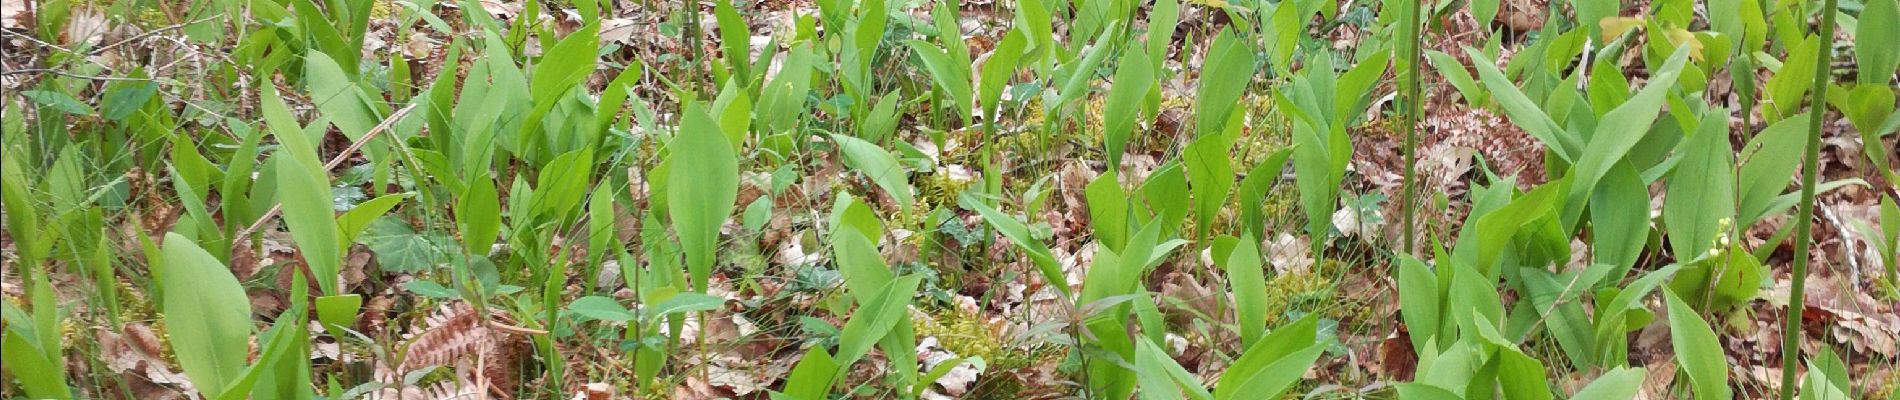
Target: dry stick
1803,223
334,161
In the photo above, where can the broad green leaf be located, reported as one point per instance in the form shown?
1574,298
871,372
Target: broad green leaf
1211,176
58,100
1770,162
1133,78
1018,232
1249,285
1108,210
304,188
1827,377
39,376
1455,74
563,183
1874,42
1226,74
1419,300
338,312
600,308
338,96
874,319
1420,391
1161,378
703,163
207,315
358,218
1790,84
1521,377
1524,112
1701,191
1253,190
1698,350
478,215
1485,11
1272,364
1621,129
998,70
735,38
811,378
1618,384
953,78
863,270
683,302
878,165
1619,218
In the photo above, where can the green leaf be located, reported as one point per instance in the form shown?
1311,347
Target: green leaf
1790,84
1419,301
874,319
1521,377
1161,378
1455,74
38,375
1827,377
1249,285
950,76
1271,366
863,270
336,94
1698,351
736,38
1621,128
684,302
1227,73
338,312
1771,161
1133,78
1701,190
478,214
1211,176
1485,11
124,97
563,183
358,218
1253,190
1523,112
600,308
207,315
878,165
1874,42
811,378
703,163
304,188
58,100
998,70
1619,218
1017,232
1619,384
1108,210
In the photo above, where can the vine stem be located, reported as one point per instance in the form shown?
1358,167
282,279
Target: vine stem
1804,215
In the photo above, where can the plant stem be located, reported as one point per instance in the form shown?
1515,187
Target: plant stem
1413,109
1804,226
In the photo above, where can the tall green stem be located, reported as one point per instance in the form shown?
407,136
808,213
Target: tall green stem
1804,215
1413,110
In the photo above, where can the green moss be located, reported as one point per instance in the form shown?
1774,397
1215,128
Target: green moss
1296,290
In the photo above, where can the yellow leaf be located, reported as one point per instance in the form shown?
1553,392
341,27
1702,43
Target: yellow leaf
1679,37
1617,26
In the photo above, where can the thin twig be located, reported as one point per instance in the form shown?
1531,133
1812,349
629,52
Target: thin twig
102,49
334,162
47,71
